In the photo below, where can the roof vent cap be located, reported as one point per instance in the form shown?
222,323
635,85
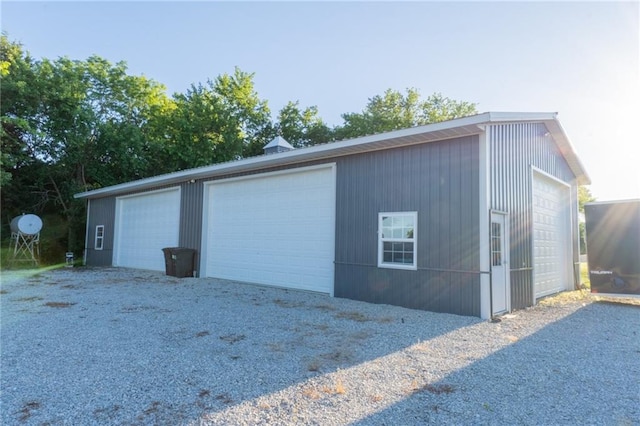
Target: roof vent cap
278,144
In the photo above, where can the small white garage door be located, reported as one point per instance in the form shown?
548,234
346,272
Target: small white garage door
275,229
552,236
145,224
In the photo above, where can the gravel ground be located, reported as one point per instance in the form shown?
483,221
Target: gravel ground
113,346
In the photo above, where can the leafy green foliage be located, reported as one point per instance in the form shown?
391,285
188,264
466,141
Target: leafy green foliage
584,196
394,110
69,126
302,127
217,122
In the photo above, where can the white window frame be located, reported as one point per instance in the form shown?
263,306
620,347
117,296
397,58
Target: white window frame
382,239
99,238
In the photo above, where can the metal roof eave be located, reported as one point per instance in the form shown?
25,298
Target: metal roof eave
568,151
437,131
465,126
550,120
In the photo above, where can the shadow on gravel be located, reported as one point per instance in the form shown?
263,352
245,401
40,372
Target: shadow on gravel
137,347
582,369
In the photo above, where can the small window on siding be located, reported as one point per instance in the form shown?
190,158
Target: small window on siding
397,240
99,241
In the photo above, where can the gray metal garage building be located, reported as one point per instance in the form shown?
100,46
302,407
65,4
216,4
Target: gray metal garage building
473,216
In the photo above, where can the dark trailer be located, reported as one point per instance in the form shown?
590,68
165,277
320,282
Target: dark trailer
613,247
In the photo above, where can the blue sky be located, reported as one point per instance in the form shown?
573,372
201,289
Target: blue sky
580,59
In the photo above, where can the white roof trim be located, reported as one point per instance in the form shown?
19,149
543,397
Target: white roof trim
459,127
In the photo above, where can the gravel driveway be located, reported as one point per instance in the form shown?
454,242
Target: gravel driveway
113,346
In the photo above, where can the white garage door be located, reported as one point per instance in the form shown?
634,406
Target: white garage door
275,229
145,224
552,236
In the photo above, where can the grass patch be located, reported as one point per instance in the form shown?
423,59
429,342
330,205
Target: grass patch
28,299
622,301
314,365
107,412
27,408
287,303
70,286
566,298
202,333
153,408
438,389
584,275
311,393
353,316
141,308
360,335
325,308
233,338
585,296
337,356
321,327
224,398
275,347
26,271
59,304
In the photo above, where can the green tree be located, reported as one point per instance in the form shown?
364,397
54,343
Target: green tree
395,110
584,196
70,126
302,127
19,100
221,121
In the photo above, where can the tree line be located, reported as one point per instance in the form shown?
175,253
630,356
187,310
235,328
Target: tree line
69,126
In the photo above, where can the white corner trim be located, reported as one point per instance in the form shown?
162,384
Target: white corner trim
485,201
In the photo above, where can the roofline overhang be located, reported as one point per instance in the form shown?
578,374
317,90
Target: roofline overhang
460,127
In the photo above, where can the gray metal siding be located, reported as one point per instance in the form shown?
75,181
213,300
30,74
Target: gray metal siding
514,148
102,211
439,180
191,217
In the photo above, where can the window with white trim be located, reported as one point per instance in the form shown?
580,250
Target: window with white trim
397,240
99,240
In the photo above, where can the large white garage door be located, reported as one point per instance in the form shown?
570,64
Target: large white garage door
551,236
145,224
275,229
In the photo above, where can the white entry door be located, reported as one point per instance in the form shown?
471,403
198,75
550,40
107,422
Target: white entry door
499,249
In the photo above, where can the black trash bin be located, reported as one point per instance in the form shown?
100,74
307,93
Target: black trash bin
179,261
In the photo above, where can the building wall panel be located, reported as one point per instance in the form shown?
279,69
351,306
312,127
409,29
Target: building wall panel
191,218
102,211
514,149
438,180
